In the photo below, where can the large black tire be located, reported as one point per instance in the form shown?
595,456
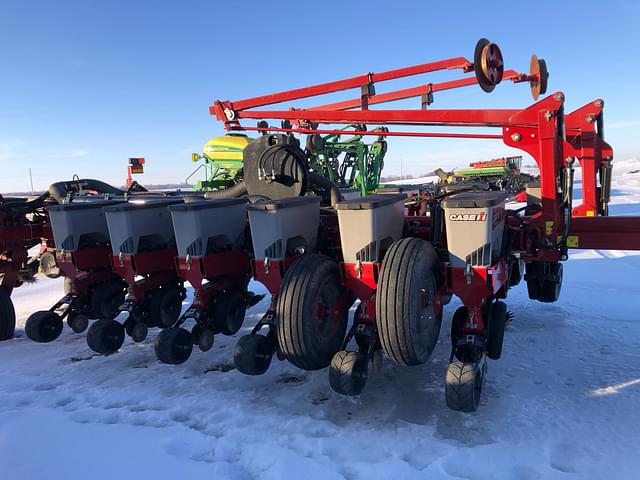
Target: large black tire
165,306
348,372
228,311
43,326
107,298
105,336
308,334
496,321
552,285
253,353
463,386
174,345
7,316
405,313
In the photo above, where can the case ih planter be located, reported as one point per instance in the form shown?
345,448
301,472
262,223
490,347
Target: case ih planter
454,243
83,254
210,237
143,254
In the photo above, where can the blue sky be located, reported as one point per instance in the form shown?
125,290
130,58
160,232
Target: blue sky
85,84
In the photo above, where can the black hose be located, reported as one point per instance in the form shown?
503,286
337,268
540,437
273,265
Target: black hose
59,190
21,207
326,185
234,191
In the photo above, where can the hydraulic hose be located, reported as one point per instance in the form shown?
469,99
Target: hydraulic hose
237,190
326,185
59,190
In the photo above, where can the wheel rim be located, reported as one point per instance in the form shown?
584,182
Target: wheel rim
326,320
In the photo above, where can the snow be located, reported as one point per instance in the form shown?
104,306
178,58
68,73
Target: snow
562,403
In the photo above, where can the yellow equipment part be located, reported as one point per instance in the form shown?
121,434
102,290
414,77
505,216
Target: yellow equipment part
226,148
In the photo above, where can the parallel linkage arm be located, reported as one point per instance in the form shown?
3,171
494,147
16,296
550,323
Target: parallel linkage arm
542,130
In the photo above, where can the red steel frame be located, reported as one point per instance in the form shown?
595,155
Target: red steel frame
157,267
86,268
543,130
225,270
13,248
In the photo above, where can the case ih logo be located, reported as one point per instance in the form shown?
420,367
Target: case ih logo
468,217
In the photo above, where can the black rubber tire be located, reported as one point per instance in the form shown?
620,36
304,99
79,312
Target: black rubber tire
7,316
348,373
534,289
253,353
165,306
138,331
107,298
303,339
551,288
496,321
463,386
228,311
43,326
77,322
173,345
534,286
457,321
408,332
105,336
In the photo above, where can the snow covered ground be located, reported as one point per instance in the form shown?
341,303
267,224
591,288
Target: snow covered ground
562,403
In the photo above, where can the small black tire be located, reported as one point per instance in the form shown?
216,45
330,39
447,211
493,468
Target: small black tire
253,353
173,345
551,288
463,386
107,298
138,331
405,307
348,373
7,316
165,306
457,322
228,311
496,321
77,322
105,336
309,334
44,326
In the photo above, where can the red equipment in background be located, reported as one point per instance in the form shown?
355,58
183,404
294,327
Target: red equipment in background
135,167
23,225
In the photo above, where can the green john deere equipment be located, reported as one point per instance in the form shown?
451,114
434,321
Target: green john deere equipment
349,162
223,165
